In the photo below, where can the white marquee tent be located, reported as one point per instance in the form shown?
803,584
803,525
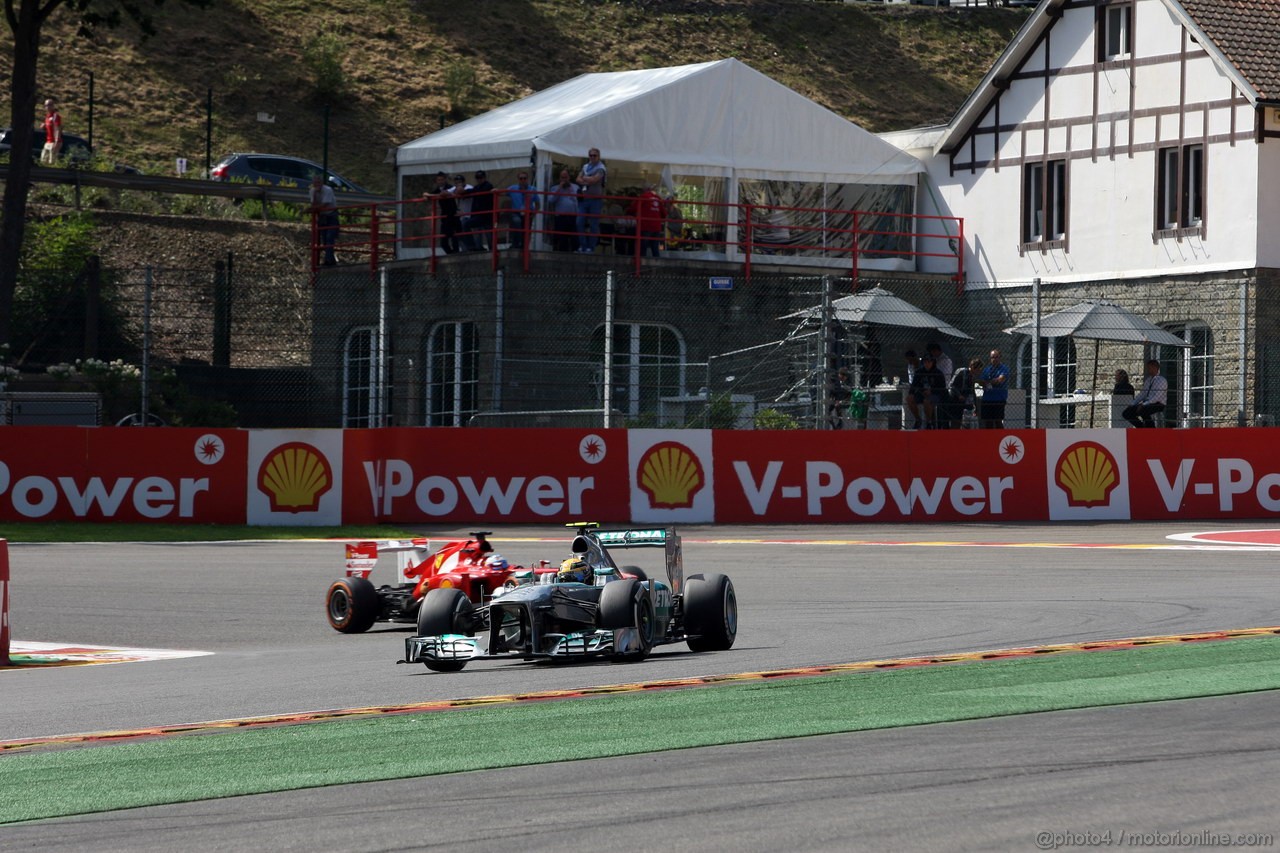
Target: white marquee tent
720,119
713,116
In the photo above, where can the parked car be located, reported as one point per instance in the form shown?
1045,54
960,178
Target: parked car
74,148
278,170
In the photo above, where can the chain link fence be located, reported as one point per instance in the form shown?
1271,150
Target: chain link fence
576,343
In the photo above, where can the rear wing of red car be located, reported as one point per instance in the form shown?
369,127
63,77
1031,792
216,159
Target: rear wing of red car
362,557
650,537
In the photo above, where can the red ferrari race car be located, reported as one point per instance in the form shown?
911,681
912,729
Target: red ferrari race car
353,604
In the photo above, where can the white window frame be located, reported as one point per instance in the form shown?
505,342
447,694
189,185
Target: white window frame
1180,365
359,377
1180,183
1044,209
628,365
1117,31
452,399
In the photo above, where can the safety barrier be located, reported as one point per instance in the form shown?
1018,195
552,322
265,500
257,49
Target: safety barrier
738,234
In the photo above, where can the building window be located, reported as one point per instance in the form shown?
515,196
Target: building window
453,370
1189,372
648,364
1180,187
1115,31
360,398
1044,201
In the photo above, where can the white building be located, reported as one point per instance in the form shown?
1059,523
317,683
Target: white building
1127,149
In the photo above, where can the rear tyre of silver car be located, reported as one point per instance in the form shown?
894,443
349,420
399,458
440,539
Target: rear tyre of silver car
710,612
352,605
446,611
626,604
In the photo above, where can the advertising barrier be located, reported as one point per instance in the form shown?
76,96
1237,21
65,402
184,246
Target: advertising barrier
454,476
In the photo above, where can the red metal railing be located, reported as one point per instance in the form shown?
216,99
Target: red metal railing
378,233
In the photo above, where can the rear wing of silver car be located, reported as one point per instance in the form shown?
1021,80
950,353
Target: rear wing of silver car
650,537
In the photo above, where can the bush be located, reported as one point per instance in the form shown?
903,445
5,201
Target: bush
322,55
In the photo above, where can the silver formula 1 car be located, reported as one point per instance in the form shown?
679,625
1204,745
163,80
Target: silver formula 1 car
590,608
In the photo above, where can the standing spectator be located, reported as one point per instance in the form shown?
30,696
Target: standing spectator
524,203
592,180
481,225
960,393
675,222
941,359
462,192
446,211
839,393
1123,385
324,208
52,134
562,201
1150,400
650,212
994,380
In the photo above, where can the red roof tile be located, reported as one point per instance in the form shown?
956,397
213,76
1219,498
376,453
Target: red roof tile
1248,34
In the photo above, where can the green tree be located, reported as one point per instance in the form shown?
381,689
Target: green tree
26,19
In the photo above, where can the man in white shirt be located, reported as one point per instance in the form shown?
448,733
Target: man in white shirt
324,207
1150,400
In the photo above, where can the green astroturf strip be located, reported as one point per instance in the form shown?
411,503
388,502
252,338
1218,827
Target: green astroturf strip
181,769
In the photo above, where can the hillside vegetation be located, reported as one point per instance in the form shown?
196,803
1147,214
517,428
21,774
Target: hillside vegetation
394,70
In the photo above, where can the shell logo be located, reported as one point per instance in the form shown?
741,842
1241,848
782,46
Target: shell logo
1088,473
671,475
294,477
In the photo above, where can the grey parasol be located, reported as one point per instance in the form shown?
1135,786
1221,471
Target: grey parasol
879,307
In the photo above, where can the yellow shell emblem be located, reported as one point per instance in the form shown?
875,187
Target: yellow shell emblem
670,475
294,477
1087,472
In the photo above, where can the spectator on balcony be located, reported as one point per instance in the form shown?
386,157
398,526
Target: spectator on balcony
591,178
650,212
524,204
446,212
1123,385
562,201
324,207
994,380
941,359
927,392
479,225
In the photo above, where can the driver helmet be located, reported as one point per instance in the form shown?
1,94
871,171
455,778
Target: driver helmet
574,569
497,563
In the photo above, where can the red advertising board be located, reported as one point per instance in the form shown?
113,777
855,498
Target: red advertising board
881,476
1204,473
480,476
129,474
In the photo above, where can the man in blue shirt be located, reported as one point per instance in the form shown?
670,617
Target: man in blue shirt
994,380
524,203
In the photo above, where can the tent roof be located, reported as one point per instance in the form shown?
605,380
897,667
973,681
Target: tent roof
720,113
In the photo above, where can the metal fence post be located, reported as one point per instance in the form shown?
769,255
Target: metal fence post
146,348
1033,416
380,401
828,358
608,350
498,350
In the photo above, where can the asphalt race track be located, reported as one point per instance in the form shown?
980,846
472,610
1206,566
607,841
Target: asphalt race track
839,595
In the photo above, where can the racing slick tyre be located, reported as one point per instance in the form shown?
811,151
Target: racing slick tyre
446,611
710,612
626,604
635,572
352,605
